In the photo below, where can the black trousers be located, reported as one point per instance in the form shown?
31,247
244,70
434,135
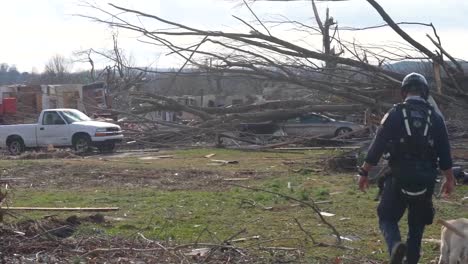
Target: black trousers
391,209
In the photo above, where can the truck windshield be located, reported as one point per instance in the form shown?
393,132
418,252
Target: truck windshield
73,116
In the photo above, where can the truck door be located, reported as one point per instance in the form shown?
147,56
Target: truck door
53,130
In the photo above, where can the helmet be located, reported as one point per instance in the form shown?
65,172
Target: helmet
415,82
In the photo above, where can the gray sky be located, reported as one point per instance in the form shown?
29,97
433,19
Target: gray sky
35,30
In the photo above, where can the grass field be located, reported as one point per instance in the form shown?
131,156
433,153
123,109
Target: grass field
188,198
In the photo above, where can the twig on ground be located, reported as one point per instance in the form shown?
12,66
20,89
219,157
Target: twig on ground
313,206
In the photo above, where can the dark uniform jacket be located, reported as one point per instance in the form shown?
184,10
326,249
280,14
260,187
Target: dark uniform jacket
393,128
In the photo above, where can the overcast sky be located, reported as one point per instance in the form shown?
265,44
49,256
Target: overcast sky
34,30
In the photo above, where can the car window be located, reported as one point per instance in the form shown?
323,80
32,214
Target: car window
312,119
52,118
73,116
293,120
324,119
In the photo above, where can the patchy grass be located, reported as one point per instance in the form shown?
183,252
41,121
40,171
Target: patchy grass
217,211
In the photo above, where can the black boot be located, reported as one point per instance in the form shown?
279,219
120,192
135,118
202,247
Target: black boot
398,253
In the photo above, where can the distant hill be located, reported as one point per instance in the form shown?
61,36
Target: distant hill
423,67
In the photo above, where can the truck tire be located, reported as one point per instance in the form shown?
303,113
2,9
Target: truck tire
16,146
82,144
106,147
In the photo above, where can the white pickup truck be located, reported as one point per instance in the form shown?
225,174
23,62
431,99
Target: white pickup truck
61,128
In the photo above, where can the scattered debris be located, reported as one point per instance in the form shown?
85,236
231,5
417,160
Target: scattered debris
320,148
350,238
279,248
165,157
200,252
115,219
245,239
157,157
343,162
327,214
53,240
236,179
64,209
431,240
62,154
8,180
303,170
323,202
224,162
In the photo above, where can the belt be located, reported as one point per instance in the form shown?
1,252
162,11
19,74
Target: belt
414,193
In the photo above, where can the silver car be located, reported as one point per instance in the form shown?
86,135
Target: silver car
315,125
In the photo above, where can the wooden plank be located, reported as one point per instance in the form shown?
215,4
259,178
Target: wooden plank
319,148
225,161
65,209
236,179
157,157
437,77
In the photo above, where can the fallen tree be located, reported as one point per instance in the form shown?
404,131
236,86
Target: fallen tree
345,76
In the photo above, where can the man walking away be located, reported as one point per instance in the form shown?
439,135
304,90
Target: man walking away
415,137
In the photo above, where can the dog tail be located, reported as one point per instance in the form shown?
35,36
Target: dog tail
452,228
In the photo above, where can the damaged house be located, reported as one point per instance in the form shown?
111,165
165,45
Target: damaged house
212,90
22,103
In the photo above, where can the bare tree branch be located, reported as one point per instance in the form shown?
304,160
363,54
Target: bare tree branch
402,33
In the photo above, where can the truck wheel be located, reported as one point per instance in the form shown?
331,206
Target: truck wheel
16,146
106,148
82,144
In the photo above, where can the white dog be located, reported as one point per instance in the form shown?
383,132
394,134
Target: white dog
454,241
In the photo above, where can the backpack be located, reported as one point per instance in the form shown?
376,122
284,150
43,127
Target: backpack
414,158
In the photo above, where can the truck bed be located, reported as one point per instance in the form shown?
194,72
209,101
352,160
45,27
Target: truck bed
26,131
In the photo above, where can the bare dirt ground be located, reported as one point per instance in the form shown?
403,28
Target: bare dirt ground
83,173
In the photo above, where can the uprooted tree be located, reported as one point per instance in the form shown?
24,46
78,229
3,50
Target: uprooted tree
343,77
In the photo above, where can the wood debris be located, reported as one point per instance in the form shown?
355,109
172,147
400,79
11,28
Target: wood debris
198,252
66,209
327,214
244,239
157,157
236,179
225,161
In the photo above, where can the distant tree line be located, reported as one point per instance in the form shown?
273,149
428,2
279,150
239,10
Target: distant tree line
56,71
9,74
